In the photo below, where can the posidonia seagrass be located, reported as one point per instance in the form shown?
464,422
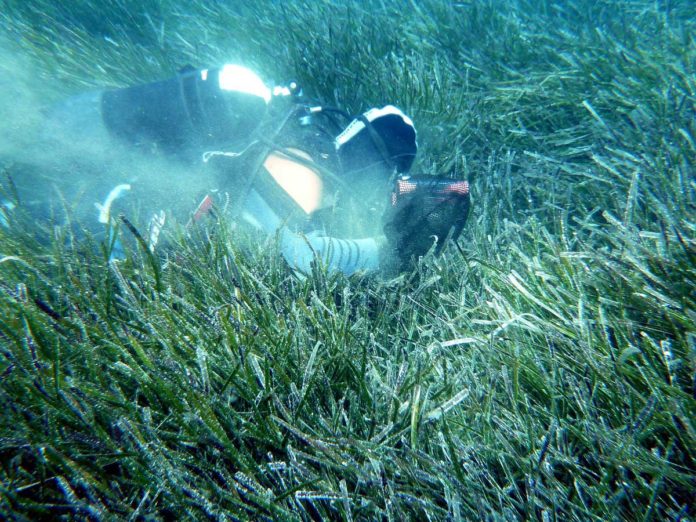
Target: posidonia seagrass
544,370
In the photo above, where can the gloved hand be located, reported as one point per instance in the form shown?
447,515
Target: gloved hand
424,209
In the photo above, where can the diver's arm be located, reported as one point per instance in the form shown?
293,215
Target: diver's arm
299,250
345,255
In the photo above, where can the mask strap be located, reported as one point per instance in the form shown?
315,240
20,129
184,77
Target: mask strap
214,153
377,141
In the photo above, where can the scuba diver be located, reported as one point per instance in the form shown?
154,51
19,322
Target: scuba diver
280,162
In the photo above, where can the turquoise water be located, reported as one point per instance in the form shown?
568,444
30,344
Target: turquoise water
541,368
436,60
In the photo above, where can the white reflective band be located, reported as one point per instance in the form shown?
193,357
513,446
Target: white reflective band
356,125
105,208
240,79
204,74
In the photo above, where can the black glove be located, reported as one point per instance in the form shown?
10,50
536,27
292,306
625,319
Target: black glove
424,209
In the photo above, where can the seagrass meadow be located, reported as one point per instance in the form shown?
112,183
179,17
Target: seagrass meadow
544,368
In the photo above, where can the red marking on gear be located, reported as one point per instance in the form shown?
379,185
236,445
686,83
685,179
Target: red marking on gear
203,208
460,187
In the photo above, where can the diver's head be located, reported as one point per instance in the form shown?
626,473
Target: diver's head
380,138
373,149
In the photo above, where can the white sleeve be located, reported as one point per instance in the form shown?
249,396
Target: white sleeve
346,255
